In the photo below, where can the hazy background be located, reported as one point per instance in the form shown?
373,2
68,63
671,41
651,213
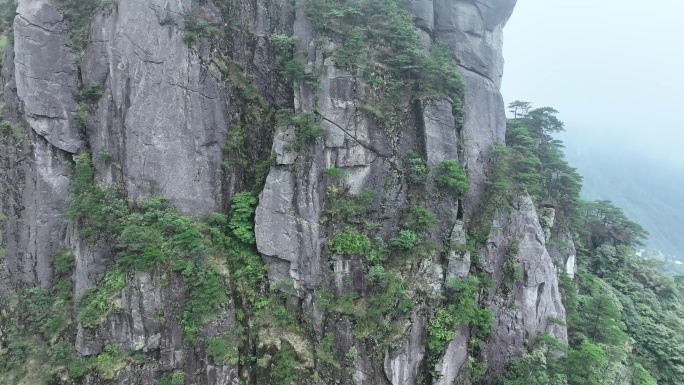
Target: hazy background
615,71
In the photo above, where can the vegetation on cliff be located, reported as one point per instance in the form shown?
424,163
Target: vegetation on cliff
218,302
623,313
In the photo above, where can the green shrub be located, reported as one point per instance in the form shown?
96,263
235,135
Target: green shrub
377,273
79,14
378,40
168,19
242,217
416,170
326,351
17,349
307,126
206,292
406,240
512,271
177,378
221,350
86,100
335,173
97,301
284,364
109,361
343,207
350,242
352,354
289,69
16,130
63,264
440,331
451,178
91,94
387,301
460,308
420,219
197,28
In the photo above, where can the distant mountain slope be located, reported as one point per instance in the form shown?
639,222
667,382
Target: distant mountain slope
650,191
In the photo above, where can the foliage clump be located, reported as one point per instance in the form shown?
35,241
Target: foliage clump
451,178
350,242
460,308
377,40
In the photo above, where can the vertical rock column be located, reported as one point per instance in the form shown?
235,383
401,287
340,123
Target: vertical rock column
473,29
40,92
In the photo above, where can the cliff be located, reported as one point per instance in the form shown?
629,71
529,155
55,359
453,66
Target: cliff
138,135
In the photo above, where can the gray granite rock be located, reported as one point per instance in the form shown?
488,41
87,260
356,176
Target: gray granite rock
46,74
439,132
562,250
458,258
403,364
526,309
36,227
484,124
473,29
454,357
162,116
137,325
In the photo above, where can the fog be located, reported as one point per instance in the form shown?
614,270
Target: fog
613,68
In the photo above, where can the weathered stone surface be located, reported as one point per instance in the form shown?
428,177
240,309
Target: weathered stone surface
484,124
162,116
474,31
90,260
458,259
454,357
547,218
424,14
440,132
136,327
36,224
34,174
46,75
287,219
287,226
523,311
403,364
162,124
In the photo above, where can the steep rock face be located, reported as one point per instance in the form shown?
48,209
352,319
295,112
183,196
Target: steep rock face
474,32
162,116
46,74
34,172
288,218
158,129
40,90
523,308
167,121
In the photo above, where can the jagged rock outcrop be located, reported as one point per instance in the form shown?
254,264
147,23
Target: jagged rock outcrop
527,307
177,117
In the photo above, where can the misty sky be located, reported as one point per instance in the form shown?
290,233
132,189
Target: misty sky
613,68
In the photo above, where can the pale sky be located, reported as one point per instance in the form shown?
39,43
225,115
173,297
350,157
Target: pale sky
613,68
